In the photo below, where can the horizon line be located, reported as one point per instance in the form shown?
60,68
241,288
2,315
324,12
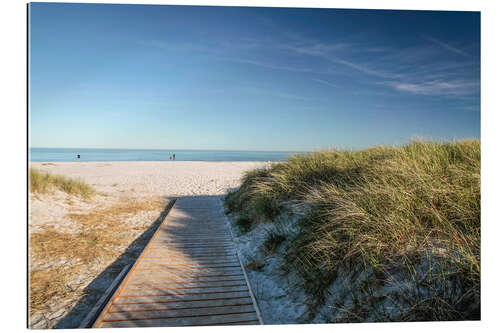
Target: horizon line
172,150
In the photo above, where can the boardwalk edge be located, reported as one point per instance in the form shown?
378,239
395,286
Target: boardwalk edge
129,273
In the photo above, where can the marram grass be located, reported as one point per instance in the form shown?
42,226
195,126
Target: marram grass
409,213
41,182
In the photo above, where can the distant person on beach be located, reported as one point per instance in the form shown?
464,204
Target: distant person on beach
174,157
78,156
170,157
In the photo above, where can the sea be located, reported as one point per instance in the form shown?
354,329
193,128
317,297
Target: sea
110,155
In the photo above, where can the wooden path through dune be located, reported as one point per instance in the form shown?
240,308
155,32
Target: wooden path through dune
189,274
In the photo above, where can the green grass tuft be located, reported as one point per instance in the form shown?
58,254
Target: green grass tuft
266,206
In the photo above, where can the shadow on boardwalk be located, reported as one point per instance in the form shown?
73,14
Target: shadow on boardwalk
96,288
190,275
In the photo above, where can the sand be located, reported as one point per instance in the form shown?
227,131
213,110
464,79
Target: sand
116,182
170,178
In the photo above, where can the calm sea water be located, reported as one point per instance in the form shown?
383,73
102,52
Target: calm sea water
98,155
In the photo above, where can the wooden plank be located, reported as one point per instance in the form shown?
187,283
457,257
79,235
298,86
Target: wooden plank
189,252
183,275
178,278
164,245
178,313
188,281
187,265
171,239
209,242
189,274
184,321
187,233
174,268
184,260
190,259
178,301
170,284
183,291
180,305
179,298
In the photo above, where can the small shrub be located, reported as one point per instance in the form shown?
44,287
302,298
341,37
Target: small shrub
244,223
273,241
256,265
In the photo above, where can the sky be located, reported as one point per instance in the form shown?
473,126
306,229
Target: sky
248,78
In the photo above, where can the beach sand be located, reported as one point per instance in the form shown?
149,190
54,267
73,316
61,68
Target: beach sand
170,178
130,199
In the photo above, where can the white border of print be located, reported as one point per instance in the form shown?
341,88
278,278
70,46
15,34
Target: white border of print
13,181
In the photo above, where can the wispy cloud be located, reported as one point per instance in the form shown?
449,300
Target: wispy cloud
447,46
276,93
329,53
325,83
419,69
275,66
170,46
436,87
315,48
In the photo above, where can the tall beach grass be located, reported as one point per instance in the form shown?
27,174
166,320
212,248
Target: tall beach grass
42,182
406,218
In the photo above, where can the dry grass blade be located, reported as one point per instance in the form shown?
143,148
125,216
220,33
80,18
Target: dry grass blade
103,235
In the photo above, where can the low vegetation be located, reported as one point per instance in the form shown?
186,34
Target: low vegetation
61,262
401,223
101,235
42,182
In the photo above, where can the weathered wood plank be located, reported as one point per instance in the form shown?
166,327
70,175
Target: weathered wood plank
169,298
180,305
181,291
135,281
176,313
184,284
184,321
189,274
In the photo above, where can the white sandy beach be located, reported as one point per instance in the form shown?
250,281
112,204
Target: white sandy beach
59,218
169,178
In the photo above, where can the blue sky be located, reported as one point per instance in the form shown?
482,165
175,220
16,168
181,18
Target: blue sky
180,77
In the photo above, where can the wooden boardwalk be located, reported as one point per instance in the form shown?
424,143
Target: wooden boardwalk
189,274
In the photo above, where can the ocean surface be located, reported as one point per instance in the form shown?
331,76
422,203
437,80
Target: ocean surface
109,155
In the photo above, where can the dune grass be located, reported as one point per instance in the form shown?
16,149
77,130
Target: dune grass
42,182
409,213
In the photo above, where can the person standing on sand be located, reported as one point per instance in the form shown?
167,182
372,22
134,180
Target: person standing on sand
78,156
170,157
174,157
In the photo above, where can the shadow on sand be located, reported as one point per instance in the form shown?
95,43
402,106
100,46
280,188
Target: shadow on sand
96,288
